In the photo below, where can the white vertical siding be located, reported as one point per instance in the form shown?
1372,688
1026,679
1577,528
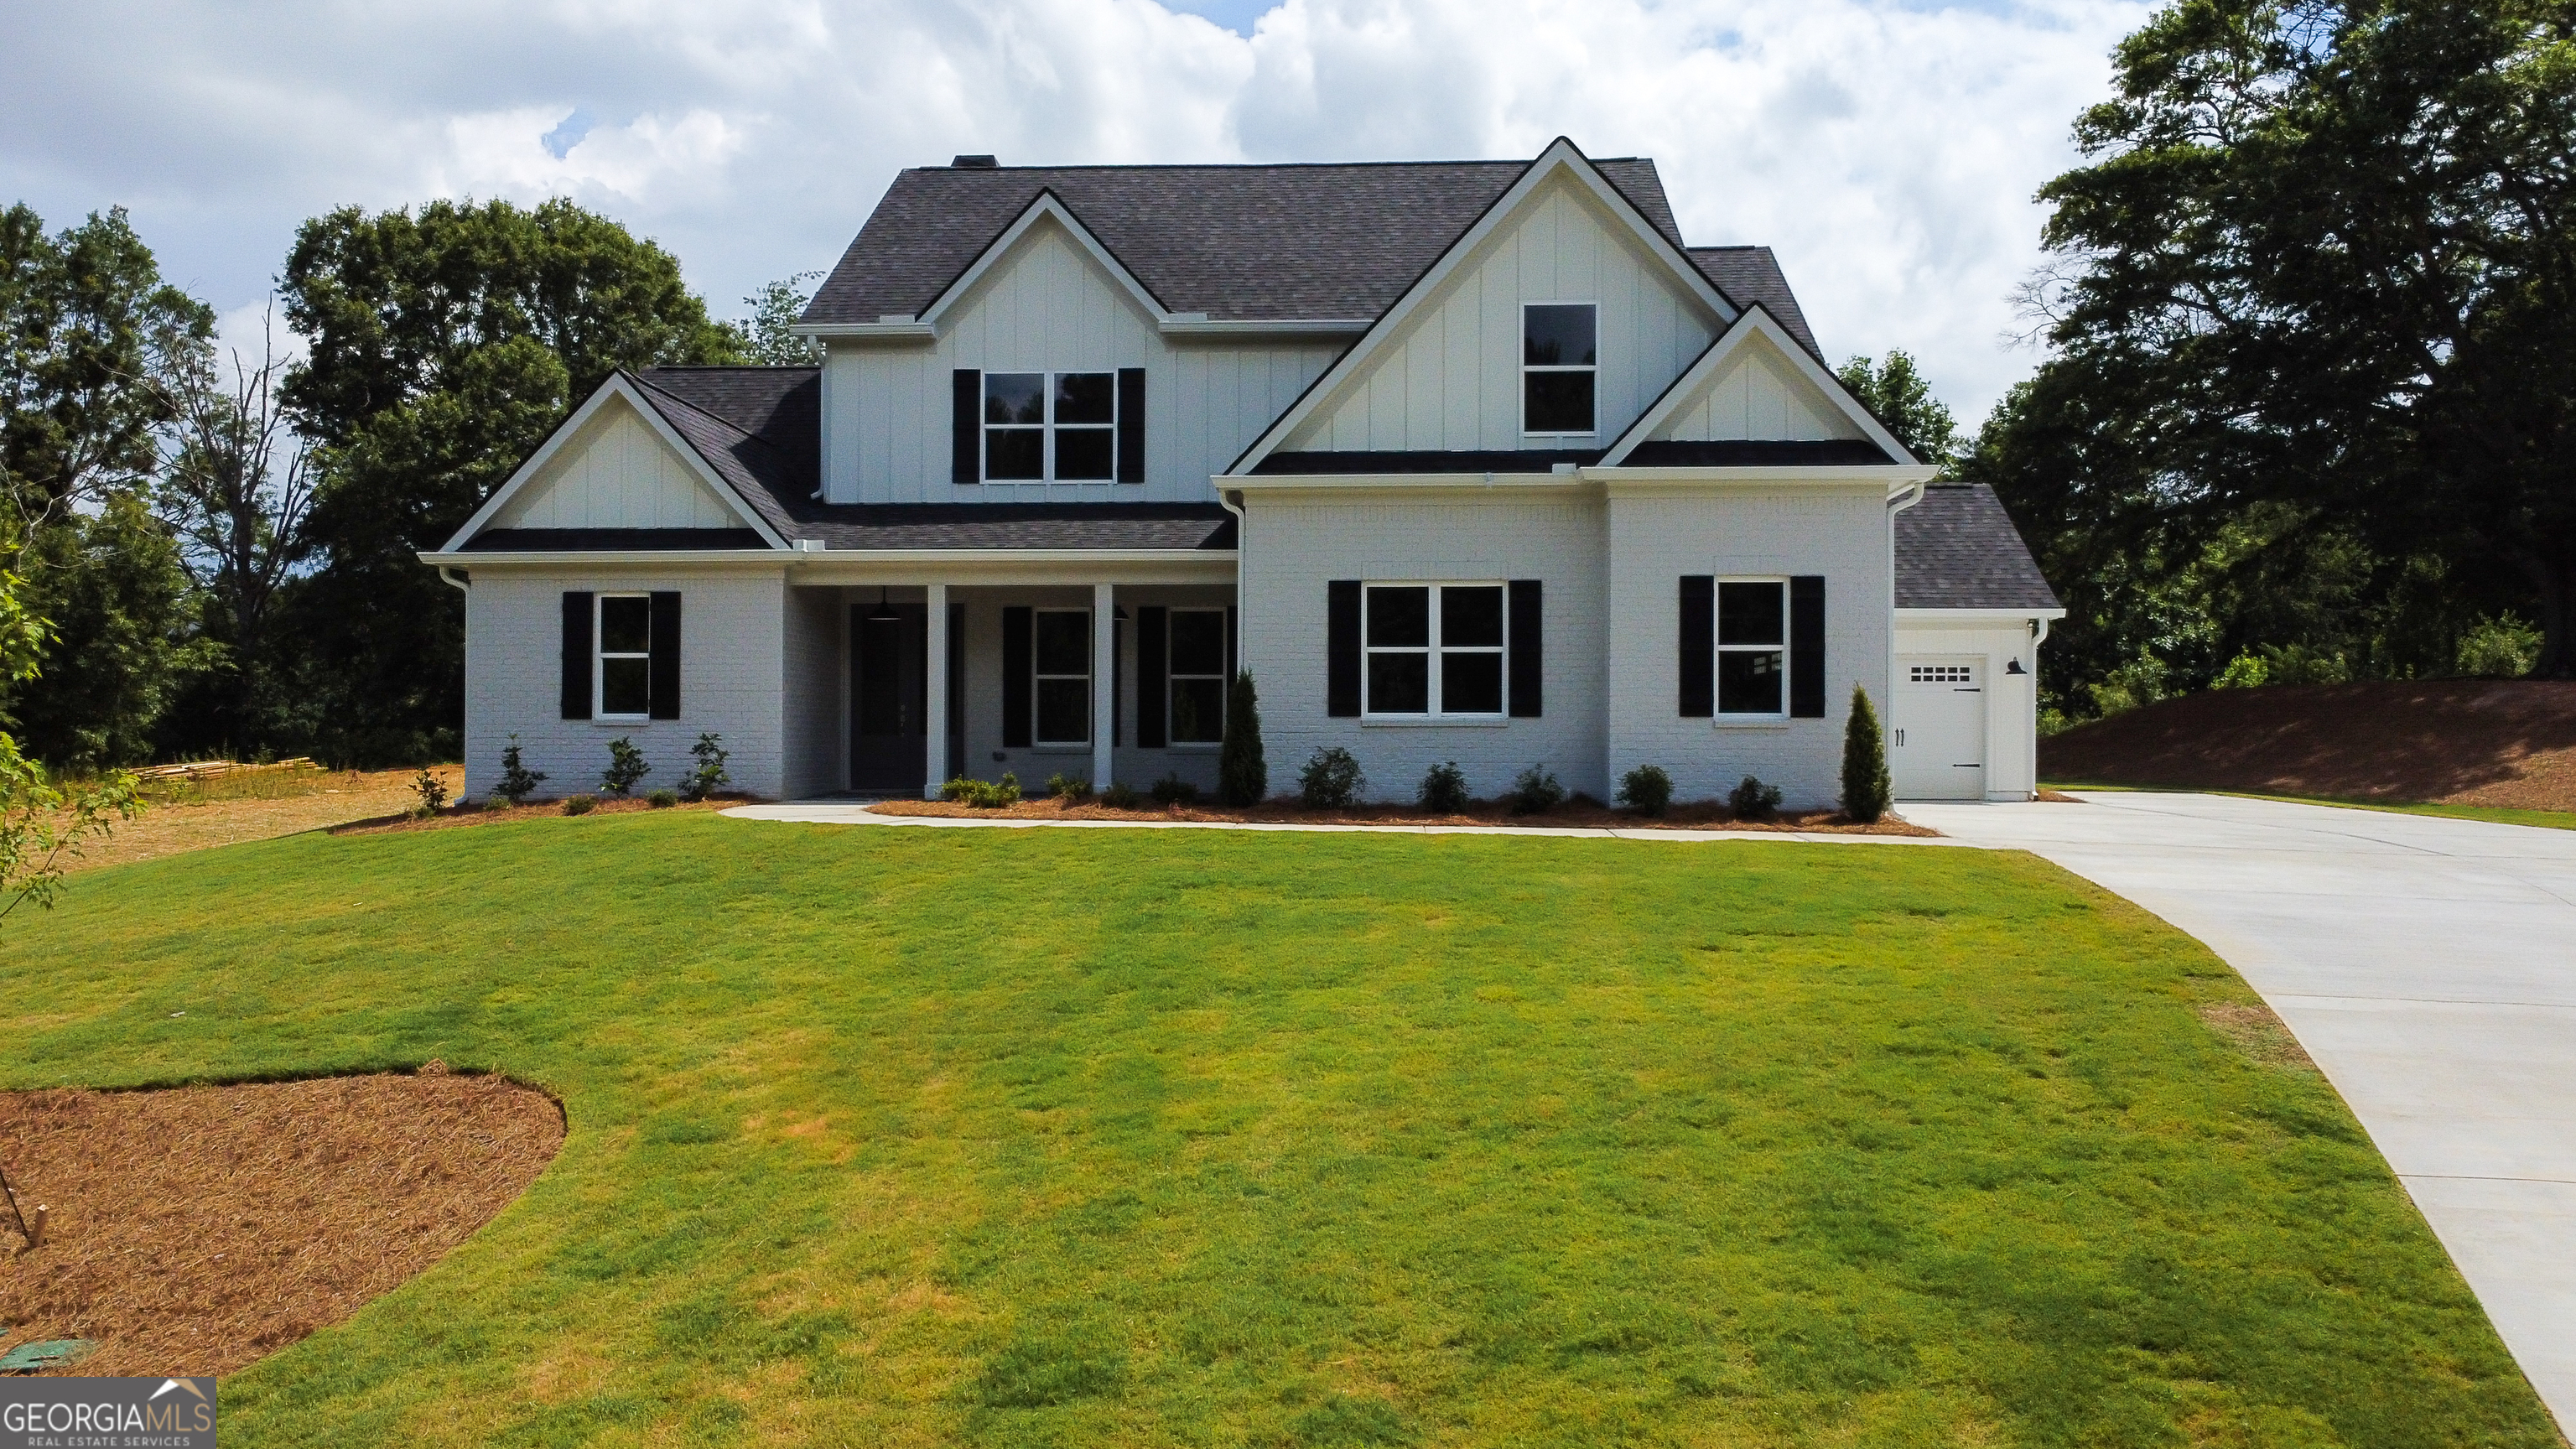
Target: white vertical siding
1450,379
1655,539
617,473
1049,307
730,673
1759,394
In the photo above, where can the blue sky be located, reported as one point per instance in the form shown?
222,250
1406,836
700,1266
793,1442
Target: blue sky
1887,150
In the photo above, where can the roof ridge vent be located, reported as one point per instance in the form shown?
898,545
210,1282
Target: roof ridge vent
974,163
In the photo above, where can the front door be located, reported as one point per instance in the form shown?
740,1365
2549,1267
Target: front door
889,706
1939,747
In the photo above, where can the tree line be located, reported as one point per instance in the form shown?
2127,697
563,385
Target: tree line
220,540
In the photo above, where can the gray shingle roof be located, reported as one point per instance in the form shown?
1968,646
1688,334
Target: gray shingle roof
1958,549
1304,241
1748,275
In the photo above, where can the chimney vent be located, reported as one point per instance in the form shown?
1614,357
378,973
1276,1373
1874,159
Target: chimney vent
973,163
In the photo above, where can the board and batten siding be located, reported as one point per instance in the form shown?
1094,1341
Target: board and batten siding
1758,394
731,673
1450,378
1655,538
1049,307
617,473
1295,547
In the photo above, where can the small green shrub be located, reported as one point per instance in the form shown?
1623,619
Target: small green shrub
1535,791
431,790
517,782
1242,774
983,794
1867,791
1173,790
1330,780
663,799
2245,671
625,767
2299,664
1753,800
1646,790
707,772
1068,789
2503,647
1444,789
1120,796
579,805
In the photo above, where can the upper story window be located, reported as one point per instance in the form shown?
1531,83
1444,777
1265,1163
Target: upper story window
1752,647
1434,649
1041,426
1560,364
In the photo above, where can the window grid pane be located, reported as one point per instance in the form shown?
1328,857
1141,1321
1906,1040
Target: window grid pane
1434,649
1041,427
1060,660
1752,662
1559,351
1196,665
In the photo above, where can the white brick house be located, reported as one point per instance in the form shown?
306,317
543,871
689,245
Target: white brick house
1470,461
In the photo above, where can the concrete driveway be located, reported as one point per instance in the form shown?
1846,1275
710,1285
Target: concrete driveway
2429,967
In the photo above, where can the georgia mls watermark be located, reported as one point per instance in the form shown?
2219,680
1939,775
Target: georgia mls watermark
124,1413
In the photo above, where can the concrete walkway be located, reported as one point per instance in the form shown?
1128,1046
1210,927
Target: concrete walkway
2427,964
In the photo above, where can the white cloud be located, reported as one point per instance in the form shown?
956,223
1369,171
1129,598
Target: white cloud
1887,151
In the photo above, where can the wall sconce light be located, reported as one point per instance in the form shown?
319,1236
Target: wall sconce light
2014,667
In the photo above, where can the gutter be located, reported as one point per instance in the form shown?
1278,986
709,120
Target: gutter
1231,499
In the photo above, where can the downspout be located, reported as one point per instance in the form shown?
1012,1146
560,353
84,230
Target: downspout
1231,500
453,576
1887,686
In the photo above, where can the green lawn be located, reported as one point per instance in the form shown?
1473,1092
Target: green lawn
900,1137
2492,814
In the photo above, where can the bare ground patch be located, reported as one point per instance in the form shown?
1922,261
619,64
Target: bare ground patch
2258,1033
325,799
196,1229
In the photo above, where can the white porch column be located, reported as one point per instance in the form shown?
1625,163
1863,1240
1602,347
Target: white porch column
1104,669
935,684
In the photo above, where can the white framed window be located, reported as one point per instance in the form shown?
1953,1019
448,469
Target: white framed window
1753,648
1198,676
623,640
1942,674
1560,369
1050,427
1433,650
1060,653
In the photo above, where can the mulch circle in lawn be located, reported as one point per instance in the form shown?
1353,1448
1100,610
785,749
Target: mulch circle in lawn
196,1229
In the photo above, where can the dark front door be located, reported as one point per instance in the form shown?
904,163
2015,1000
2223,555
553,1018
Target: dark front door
888,704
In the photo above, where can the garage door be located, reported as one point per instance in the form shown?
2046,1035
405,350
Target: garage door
1937,745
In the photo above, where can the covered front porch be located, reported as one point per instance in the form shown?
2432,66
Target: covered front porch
901,677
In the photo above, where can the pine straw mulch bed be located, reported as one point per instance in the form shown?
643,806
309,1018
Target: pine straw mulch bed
196,1229
455,815
1574,814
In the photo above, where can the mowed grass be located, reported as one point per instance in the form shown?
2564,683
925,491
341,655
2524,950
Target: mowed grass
887,1136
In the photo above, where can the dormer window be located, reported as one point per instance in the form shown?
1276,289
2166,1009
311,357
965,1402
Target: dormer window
1559,365
1041,426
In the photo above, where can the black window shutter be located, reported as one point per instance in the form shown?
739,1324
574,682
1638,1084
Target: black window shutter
1342,648
1153,676
1016,677
1807,646
966,420
576,655
663,692
1699,646
1131,425
1526,651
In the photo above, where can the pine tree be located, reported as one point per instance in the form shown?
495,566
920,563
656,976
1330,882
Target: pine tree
1242,778
1866,788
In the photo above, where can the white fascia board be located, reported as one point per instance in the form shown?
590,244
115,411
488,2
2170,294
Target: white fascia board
1517,485
1757,321
1895,478
618,385
904,331
731,560
1561,155
1045,208
1187,325
1971,618
1017,566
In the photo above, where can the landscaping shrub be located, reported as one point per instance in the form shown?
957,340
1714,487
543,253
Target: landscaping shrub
1173,790
2503,647
579,805
982,794
1120,796
1753,800
663,799
1444,789
1646,790
2245,671
1331,779
625,767
1866,788
707,775
518,782
1242,776
1535,790
431,790
1068,789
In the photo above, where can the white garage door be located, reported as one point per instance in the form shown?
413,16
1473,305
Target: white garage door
1937,747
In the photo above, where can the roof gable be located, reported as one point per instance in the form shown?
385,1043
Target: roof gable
1046,219
1754,383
